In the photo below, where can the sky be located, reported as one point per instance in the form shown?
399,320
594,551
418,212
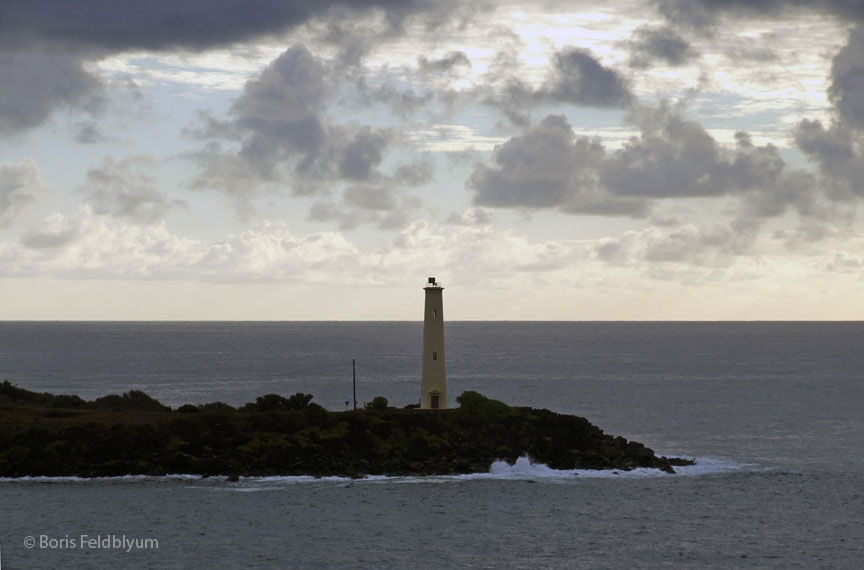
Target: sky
296,160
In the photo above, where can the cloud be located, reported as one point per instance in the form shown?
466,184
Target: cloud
20,186
715,245
679,158
85,245
278,124
35,83
580,79
471,217
403,101
167,24
481,255
838,149
846,91
839,152
416,173
122,188
757,50
88,245
278,135
549,167
452,139
704,14
59,231
283,102
844,262
575,76
45,46
363,154
271,252
659,44
382,205
444,64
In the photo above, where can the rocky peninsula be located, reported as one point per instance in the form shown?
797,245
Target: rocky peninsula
43,434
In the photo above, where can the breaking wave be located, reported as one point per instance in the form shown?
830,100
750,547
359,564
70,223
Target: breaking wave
524,469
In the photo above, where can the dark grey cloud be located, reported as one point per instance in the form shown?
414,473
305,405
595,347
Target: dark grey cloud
380,200
650,45
123,188
44,44
680,159
402,101
549,167
839,153
673,158
362,155
278,136
20,186
797,189
416,173
276,121
515,99
406,90
166,24
382,205
35,83
444,64
846,91
370,197
577,77
704,14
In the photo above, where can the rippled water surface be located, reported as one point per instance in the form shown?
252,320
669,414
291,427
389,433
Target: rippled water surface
771,411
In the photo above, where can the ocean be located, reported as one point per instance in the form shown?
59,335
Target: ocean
771,411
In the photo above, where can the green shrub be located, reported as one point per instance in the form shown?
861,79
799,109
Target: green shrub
176,444
275,402
378,404
265,440
134,400
216,407
13,394
485,409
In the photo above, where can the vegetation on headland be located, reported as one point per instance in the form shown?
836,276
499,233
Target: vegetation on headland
59,435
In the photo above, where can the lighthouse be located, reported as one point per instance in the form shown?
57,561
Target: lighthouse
433,384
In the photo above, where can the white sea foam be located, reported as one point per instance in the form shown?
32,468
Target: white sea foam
524,469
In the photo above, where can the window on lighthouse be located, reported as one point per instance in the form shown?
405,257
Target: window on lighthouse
434,356
434,313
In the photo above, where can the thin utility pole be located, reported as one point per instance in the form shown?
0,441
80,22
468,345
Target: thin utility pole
354,374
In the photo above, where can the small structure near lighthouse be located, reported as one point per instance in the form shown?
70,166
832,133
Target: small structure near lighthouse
433,384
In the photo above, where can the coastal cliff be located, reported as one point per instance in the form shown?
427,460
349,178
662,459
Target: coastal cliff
49,435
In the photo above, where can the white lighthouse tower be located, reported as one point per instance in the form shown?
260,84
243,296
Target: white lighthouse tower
433,385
